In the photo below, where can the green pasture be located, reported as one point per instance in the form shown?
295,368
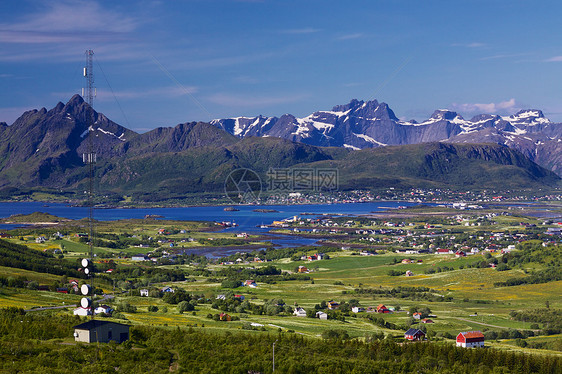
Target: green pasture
41,278
28,299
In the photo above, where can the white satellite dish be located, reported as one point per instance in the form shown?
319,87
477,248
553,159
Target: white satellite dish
85,289
85,302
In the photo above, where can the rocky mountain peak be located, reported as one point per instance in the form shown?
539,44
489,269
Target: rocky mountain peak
444,114
529,113
353,104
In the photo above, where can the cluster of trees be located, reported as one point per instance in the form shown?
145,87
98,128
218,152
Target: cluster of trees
17,282
439,269
179,295
217,317
379,321
19,256
17,324
136,277
533,251
553,345
220,241
549,274
508,334
270,307
294,253
157,350
268,274
551,319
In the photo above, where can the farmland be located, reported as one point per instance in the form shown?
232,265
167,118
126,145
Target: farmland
364,266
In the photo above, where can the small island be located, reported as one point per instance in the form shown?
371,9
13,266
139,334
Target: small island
266,210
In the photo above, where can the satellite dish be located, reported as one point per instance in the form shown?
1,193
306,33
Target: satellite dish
85,262
85,289
85,302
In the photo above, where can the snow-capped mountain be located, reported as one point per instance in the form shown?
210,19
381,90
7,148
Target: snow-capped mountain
368,124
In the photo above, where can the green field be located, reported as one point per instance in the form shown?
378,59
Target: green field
459,295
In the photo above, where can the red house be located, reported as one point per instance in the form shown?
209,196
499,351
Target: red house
382,309
470,339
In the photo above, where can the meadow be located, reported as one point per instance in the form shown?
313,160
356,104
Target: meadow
460,296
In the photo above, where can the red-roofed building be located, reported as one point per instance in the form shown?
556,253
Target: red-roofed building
470,339
381,308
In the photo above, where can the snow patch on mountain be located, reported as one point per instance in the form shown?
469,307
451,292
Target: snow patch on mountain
369,139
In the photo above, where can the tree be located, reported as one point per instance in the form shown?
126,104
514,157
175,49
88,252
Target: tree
185,306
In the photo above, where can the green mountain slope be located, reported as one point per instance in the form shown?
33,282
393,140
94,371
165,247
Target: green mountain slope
439,164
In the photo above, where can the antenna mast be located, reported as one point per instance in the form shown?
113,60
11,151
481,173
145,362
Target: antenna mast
89,74
89,159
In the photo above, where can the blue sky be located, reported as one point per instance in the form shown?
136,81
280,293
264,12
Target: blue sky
160,63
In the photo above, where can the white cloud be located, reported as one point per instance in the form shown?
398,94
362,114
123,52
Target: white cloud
350,36
554,59
501,56
67,19
58,29
503,107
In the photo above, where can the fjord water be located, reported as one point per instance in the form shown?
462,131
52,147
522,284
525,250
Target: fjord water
246,218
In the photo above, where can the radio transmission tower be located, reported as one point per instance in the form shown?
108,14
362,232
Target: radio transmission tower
89,159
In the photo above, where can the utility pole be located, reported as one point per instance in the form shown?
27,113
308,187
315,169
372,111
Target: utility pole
274,355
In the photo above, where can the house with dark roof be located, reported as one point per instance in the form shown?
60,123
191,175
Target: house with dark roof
101,331
414,335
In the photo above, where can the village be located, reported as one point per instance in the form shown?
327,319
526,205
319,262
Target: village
436,274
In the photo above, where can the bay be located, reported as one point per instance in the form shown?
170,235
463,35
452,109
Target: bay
246,218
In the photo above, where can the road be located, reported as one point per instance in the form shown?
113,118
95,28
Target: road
105,297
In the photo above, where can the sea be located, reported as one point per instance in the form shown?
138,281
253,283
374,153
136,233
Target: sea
246,218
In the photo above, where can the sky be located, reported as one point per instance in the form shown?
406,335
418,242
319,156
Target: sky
161,63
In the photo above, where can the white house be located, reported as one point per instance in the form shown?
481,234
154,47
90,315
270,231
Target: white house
103,309
82,311
144,292
321,315
299,312
357,309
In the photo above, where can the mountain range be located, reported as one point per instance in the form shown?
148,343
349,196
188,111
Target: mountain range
43,148
370,124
